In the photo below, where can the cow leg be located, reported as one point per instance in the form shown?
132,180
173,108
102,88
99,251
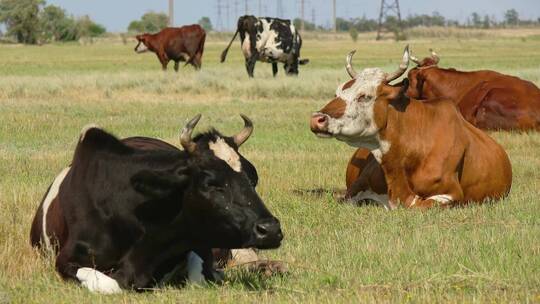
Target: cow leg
197,61
274,69
71,262
435,183
163,60
250,64
176,66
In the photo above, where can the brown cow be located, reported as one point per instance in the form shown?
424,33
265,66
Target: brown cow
429,154
184,43
487,99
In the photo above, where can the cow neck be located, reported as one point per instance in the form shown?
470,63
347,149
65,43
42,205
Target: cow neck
453,83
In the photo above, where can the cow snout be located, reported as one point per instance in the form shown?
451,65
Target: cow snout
268,233
319,123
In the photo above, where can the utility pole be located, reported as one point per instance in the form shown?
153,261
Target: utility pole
313,16
302,15
246,6
389,8
228,15
236,14
334,15
260,8
171,13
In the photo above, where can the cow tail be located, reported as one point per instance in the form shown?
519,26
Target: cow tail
224,53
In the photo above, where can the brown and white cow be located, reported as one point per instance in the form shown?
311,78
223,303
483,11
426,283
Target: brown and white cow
429,154
487,99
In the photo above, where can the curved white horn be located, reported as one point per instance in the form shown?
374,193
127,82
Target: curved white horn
244,134
349,67
402,66
185,136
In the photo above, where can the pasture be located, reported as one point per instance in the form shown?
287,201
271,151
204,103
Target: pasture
335,252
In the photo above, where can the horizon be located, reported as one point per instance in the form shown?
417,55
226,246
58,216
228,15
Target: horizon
320,11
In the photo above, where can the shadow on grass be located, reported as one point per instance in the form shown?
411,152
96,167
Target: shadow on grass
336,195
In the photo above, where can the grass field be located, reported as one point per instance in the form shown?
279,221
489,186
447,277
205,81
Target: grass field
335,253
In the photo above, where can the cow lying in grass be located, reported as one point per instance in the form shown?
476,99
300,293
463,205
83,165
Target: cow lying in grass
135,213
429,153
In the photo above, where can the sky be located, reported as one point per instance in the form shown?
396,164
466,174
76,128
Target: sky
115,15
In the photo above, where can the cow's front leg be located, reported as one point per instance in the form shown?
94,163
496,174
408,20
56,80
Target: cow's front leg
433,186
164,60
72,263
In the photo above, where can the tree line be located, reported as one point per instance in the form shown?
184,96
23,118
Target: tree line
32,21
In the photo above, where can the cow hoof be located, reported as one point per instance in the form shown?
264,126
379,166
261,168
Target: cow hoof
97,282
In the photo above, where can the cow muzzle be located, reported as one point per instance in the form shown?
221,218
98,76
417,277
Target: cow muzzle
319,125
267,233
140,48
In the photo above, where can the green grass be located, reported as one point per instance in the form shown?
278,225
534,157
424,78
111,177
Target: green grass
335,253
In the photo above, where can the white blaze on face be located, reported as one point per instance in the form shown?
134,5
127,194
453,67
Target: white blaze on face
97,282
357,125
141,47
51,195
225,152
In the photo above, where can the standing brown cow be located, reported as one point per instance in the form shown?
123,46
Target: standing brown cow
429,154
487,99
184,43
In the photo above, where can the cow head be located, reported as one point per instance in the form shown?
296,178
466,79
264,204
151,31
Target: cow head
357,112
417,75
143,44
220,207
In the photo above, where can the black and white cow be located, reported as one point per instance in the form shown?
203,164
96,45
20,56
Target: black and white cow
133,213
270,40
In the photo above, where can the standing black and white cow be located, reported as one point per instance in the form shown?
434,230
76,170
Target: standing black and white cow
128,214
270,40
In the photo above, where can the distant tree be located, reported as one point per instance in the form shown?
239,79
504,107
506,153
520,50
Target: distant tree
343,25
206,24
308,26
86,27
486,23
21,18
353,32
476,20
150,22
56,25
511,17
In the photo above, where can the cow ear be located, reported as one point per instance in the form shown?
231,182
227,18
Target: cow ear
158,184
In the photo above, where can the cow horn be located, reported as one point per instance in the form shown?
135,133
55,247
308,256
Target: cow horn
185,136
434,56
243,135
414,58
349,67
402,66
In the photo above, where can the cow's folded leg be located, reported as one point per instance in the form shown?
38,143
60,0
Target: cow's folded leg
69,264
274,69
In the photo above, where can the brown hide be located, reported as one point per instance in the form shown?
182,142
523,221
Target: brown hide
364,173
185,43
487,99
434,151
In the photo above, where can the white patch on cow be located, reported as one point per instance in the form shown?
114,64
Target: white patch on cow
97,282
384,147
443,199
141,48
85,129
357,125
225,152
243,256
51,195
372,196
195,268
415,199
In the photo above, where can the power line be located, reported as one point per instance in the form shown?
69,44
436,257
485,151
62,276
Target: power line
389,8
